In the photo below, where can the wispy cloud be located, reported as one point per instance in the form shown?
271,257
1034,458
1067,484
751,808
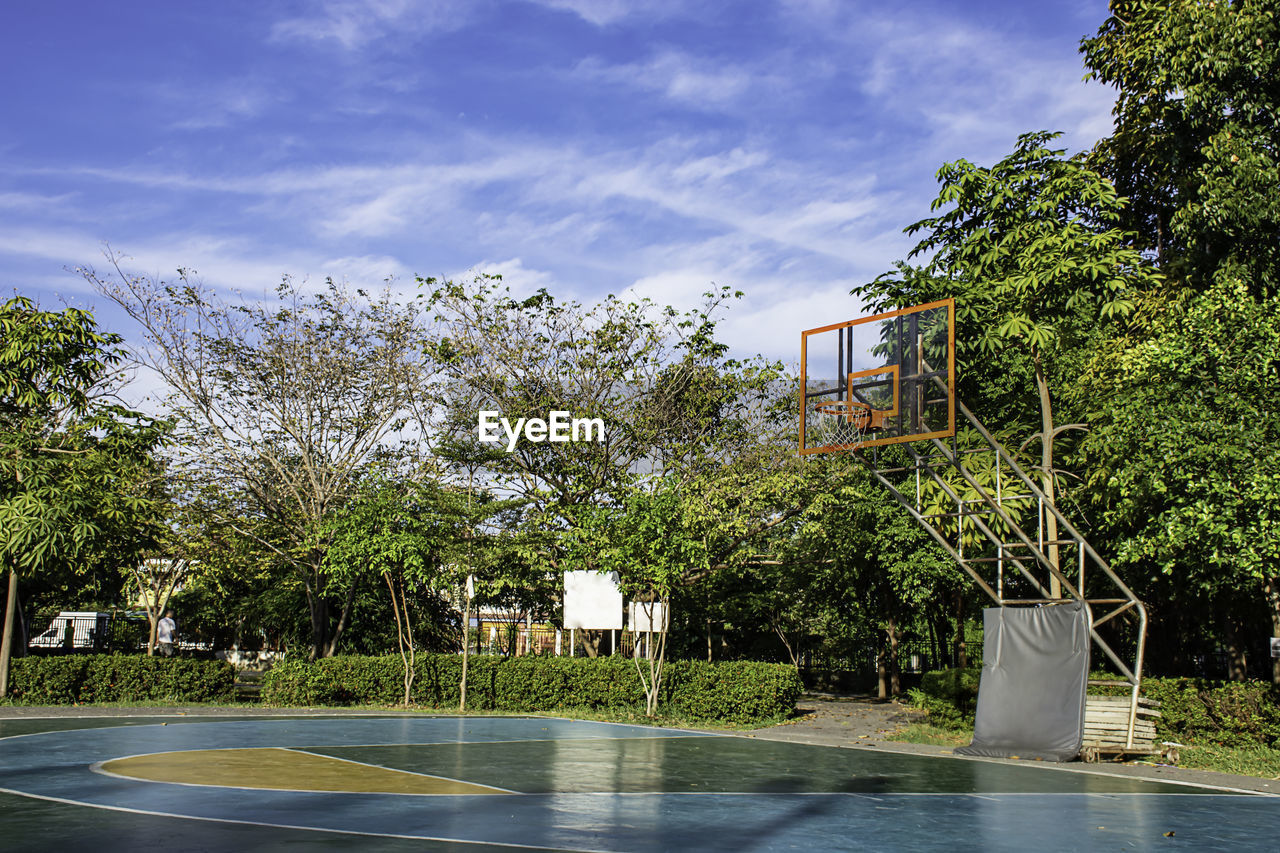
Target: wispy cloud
603,13
973,87
676,75
353,24
657,148
27,202
221,105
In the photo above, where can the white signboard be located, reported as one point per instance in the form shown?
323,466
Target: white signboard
640,616
1275,647
592,601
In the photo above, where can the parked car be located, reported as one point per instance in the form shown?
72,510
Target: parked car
74,629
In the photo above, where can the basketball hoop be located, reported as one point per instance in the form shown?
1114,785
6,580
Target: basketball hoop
844,423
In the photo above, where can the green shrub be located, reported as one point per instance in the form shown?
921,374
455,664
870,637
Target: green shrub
950,696
79,679
1231,713
731,691
1193,710
958,686
941,713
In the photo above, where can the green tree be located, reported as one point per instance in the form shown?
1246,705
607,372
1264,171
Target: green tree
1196,143
73,465
654,543
287,403
877,565
406,533
676,410
1184,400
1032,251
1183,458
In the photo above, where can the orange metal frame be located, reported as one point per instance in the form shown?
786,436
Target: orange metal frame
950,305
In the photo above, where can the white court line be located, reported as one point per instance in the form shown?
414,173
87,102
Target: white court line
870,795
483,742
677,734
97,767
401,770
635,726
356,832
274,718
1064,767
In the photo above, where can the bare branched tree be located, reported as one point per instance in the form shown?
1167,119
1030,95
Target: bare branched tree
288,400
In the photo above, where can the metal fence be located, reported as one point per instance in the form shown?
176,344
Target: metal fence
89,634
516,638
914,657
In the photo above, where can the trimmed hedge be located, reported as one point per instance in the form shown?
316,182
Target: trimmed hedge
1193,710
730,691
1230,713
81,679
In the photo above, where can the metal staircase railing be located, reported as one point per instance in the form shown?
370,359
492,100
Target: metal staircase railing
976,502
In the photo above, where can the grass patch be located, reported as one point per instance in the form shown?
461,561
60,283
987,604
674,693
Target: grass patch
1260,761
932,735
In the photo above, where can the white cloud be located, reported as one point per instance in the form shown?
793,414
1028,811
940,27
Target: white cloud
222,105
770,316
520,279
771,326
680,288
353,24
678,76
995,89
364,270
34,202
52,244
603,13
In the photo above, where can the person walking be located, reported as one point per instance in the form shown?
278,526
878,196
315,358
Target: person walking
165,632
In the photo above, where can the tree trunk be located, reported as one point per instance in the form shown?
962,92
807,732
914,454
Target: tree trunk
895,678
882,671
591,639
344,618
793,652
1273,607
961,645
6,643
466,647
1046,467
655,660
23,639
1238,658
935,652
318,609
942,625
404,634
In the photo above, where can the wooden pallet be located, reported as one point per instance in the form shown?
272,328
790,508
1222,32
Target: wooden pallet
1106,729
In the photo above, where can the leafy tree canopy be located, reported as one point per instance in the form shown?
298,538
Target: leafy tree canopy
73,464
1197,140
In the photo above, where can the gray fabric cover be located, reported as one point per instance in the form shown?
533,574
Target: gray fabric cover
1035,673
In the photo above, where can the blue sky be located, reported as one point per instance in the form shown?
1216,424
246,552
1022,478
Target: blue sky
649,147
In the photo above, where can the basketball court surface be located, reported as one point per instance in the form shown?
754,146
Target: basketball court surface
535,783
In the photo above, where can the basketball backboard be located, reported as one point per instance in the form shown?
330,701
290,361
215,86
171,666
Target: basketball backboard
882,379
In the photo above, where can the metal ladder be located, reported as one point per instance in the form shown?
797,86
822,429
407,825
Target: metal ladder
980,503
